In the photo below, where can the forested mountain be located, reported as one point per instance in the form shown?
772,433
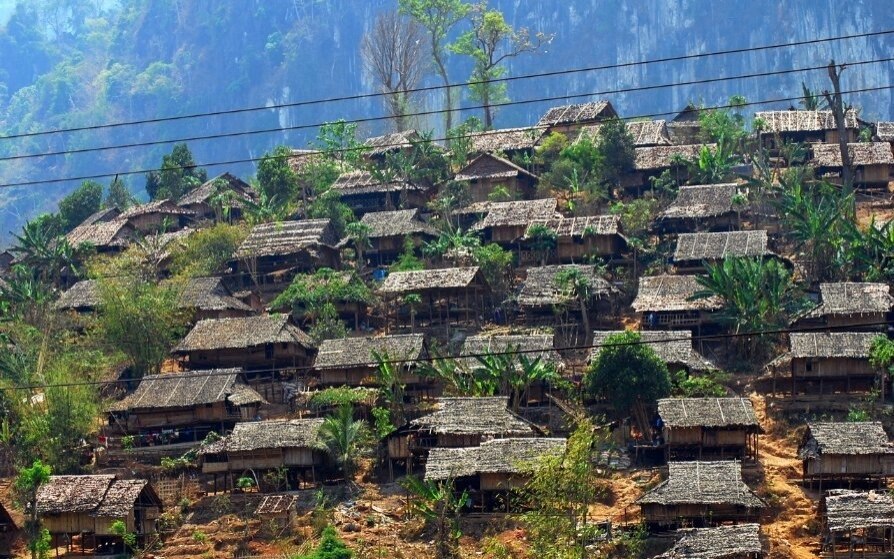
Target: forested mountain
72,63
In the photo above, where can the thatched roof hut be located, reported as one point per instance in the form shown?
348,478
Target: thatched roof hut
344,353
516,214
848,511
742,541
884,131
364,182
242,333
777,122
432,280
853,345
583,113
701,202
499,456
703,483
103,235
507,139
210,296
674,347
490,166
661,157
531,345
717,246
189,389
708,412
853,299
844,438
861,154
82,296
397,223
541,288
481,416
378,146
669,293
286,238
645,133
200,199
272,434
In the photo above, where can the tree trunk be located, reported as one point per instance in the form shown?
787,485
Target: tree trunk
837,106
585,318
448,93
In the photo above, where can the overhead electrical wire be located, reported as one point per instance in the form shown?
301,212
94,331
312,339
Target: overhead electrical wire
459,84
432,112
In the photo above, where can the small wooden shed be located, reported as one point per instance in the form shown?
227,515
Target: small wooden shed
857,523
352,361
853,305
389,230
103,231
159,216
872,162
578,238
665,301
701,494
506,222
738,541
847,451
569,119
488,172
674,347
87,506
541,294
707,207
447,294
82,297
696,428
696,250
804,127
496,467
224,195
364,192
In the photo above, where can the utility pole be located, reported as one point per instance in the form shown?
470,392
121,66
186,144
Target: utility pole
837,105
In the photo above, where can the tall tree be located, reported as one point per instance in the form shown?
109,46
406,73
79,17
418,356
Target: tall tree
836,103
276,178
438,17
489,43
119,196
178,175
80,204
615,152
27,483
345,439
395,53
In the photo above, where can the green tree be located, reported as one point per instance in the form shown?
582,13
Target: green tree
459,141
329,206
496,265
542,240
358,233
331,547
439,506
119,196
276,178
713,166
812,100
490,43
40,248
726,124
27,485
881,355
391,388
308,294
178,175
337,141
345,439
576,285
206,251
438,17
614,151
626,372
80,204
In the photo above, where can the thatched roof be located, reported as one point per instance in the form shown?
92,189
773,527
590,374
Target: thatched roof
708,412
270,434
849,438
708,200
499,456
116,232
723,244
831,344
490,166
103,215
242,332
223,182
674,347
516,213
276,504
209,294
533,346
672,293
506,139
164,206
541,288
474,416
188,389
363,182
423,280
94,495
580,226
849,298
847,510
884,131
644,132
343,353
722,542
580,113
380,145
659,157
875,153
82,295
703,483
397,223
287,237
802,121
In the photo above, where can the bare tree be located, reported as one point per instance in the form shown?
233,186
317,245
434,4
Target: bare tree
839,111
395,53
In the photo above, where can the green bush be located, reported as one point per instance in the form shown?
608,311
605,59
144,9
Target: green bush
331,547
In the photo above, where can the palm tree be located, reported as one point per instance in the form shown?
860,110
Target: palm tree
41,247
542,241
713,166
345,439
812,100
391,388
577,286
358,232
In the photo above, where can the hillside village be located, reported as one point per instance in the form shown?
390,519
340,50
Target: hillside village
592,336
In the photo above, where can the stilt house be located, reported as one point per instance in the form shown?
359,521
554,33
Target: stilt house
569,119
738,541
363,192
388,231
674,347
851,451
447,294
696,428
159,216
707,207
872,162
507,141
578,238
488,173
210,298
857,523
697,250
103,231
666,302
652,161
646,133
224,195
804,127
506,222
81,297
851,305
541,293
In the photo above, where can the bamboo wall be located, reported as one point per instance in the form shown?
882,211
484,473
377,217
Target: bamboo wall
832,367
832,465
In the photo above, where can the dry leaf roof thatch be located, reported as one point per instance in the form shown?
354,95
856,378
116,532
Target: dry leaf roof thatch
359,352
276,504
242,332
498,456
507,139
96,495
164,206
486,416
884,131
188,389
644,132
397,223
874,153
579,113
101,233
724,244
723,542
802,121
222,182
703,483
579,226
380,145
674,347
708,412
847,510
701,201
490,166
851,438
422,280
82,295
364,182
517,213
541,288
272,434
850,298
287,237
660,157
533,346
209,294
672,293
831,344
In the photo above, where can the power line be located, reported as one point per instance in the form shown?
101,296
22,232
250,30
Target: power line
459,84
436,358
432,112
396,144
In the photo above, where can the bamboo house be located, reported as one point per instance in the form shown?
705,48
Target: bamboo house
506,222
541,294
488,174
223,197
569,119
696,250
872,162
388,231
857,523
507,141
363,192
445,295
696,428
738,541
803,127
851,305
708,207
666,301
849,451
577,238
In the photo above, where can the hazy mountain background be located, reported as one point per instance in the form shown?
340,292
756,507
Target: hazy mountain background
67,63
